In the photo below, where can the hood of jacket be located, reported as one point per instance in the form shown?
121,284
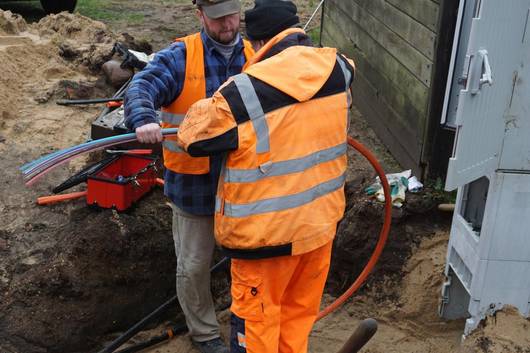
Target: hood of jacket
288,64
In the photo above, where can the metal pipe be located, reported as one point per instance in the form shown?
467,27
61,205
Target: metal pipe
313,15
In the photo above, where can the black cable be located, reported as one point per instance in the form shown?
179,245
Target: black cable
140,324
175,330
88,101
82,175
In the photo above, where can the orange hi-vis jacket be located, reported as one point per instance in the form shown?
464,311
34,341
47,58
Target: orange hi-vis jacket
194,89
284,121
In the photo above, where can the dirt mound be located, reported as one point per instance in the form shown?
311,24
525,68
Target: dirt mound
74,27
11,23
407,319
80,40
358,234
504,332
31,76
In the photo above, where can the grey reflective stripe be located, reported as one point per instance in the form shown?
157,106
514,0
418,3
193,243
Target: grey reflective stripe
217,204
285,202
345,71
218,200
172,146
255,111
170,118
347,80
285,167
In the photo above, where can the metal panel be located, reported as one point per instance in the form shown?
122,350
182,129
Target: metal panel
509,219
481,107
492,266
464,243
516,148
456,80
505,283
455,298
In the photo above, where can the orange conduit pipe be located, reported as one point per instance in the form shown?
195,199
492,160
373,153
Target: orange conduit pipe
383,235
46,200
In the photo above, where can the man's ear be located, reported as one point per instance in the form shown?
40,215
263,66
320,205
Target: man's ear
199,15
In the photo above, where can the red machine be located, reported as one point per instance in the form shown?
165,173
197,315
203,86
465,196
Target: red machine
122,182
115,182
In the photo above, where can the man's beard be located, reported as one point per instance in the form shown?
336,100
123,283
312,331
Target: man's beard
218,38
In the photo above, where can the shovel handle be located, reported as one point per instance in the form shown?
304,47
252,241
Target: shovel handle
362,334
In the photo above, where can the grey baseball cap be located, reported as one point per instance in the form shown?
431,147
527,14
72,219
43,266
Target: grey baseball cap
219,8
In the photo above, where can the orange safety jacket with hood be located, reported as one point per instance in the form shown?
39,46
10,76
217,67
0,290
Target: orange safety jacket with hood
284,121
194,89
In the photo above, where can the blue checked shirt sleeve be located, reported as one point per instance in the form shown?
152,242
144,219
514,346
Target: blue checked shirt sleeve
157,85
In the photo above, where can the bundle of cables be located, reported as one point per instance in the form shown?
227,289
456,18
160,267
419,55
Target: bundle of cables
32,171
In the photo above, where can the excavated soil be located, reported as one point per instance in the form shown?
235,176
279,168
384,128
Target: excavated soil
68,273
72,277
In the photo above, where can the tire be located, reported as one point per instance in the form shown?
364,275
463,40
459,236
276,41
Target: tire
56,6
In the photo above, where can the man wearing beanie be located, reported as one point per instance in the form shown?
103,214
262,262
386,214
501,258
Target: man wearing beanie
190,69
283,126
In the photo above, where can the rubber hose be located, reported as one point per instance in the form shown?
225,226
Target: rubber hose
383,235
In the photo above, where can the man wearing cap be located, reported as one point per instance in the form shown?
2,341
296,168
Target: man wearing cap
283,123
190,69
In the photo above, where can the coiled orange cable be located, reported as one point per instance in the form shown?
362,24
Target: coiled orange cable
383,235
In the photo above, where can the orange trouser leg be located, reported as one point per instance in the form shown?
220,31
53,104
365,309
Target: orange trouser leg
275,301
301,300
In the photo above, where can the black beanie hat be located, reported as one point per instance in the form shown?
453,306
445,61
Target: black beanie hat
269,17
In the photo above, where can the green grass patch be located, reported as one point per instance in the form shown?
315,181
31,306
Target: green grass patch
314,34
107,11
434,189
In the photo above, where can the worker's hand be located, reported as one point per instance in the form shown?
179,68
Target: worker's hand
149,133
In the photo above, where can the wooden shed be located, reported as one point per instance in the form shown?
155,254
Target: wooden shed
402,50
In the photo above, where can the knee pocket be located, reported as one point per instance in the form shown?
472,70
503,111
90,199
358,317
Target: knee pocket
246,290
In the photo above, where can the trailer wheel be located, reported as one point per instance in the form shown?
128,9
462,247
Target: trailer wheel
56,6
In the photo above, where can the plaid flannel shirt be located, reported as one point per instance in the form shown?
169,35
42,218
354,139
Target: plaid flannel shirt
158,85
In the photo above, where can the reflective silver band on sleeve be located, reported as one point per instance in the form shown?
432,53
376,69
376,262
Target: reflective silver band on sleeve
255,111
346,72
172,146
170,118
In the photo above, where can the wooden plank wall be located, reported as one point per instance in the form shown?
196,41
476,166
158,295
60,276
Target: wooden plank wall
393,45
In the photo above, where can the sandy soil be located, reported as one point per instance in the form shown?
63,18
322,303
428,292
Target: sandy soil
73,277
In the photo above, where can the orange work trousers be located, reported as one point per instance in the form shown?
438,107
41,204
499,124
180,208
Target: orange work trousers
275,301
